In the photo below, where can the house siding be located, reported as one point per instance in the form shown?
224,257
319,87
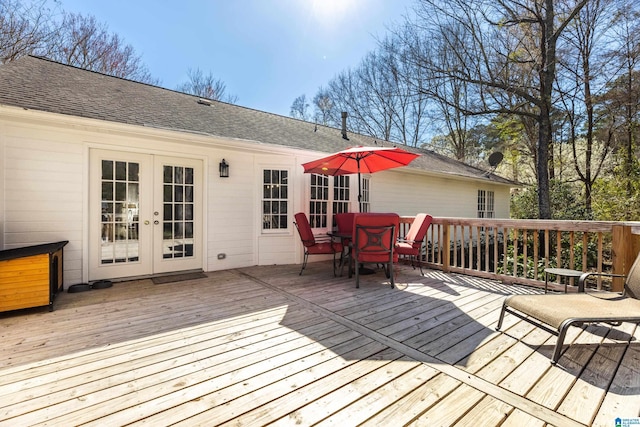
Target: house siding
46,190
43,193
231,212
411,193
45,173
2,187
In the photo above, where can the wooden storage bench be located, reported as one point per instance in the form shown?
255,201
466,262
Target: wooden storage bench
31,276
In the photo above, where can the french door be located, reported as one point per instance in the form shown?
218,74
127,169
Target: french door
145,214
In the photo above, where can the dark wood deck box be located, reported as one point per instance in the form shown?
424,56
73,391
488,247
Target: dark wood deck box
31,276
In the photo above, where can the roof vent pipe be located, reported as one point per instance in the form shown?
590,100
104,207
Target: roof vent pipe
344,125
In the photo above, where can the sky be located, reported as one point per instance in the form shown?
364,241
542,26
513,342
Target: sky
267,52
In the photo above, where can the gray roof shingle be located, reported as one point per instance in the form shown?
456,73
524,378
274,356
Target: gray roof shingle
40,84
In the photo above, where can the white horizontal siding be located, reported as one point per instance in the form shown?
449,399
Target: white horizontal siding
46,180
277,249
44,186
43,196
231,212
2,187
409,194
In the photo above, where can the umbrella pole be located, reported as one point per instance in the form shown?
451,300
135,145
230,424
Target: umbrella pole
361,268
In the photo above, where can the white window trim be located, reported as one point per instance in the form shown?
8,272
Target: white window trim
272,231
488,203
352,205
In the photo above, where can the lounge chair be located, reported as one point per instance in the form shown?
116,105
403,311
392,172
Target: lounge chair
374,240
411,244
554,313
315,245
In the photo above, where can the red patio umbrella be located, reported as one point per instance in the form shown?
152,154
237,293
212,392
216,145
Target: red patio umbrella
360,160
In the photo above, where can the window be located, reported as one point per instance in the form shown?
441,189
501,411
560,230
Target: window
328,196
340,194
365,205
319,201
485,204
275,199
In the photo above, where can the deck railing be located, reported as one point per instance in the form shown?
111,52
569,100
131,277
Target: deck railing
518,251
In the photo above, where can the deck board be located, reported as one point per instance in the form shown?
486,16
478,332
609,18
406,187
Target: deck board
486,413
264,345
623,396
448,410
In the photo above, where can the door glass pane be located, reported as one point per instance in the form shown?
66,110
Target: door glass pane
119,212
133,172
177,235
107,169
178,190
121,171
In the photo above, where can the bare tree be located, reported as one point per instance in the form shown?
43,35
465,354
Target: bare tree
508,60
410,103
450,98
343,93
206,86
364,93
25,28
581,80
380,96
300,108
34,28
623,98
84,42
322,106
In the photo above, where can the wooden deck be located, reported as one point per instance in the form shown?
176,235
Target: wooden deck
264,345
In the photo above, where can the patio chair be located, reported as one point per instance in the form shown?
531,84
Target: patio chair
315,245
344,222
373,242
411,244
554,313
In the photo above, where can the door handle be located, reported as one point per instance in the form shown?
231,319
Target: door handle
146,222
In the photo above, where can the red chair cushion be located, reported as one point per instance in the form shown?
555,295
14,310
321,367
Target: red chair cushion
324,248
372,220
405,248
306,235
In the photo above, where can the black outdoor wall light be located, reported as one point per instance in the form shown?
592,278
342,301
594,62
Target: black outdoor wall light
224,169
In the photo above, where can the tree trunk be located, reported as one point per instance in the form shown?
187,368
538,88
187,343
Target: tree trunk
588,181
542,166
547,75
628,160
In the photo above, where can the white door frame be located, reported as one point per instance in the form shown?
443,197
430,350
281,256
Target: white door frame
183,252
147,251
